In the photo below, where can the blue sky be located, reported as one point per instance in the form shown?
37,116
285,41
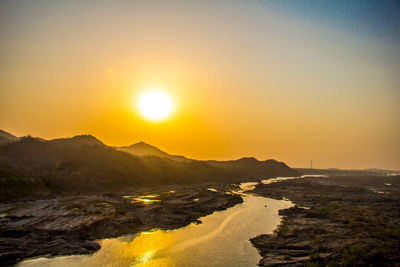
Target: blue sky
375,19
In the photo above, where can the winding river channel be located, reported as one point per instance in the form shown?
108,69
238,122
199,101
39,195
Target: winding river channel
222,239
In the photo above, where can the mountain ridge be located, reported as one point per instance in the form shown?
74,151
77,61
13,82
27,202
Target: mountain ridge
85,164
144,149
6,137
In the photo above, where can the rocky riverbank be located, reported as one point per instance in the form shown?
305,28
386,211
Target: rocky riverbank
338,221
71,224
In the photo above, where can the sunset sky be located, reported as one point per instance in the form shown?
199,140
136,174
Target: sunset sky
289,80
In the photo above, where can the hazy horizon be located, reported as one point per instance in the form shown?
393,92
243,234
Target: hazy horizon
290,82
163,150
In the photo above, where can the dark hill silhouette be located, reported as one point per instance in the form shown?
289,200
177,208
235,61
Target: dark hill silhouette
144,149
85,139
84,164
253,168
79,163
7,137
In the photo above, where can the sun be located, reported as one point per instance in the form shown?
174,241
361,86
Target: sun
155,105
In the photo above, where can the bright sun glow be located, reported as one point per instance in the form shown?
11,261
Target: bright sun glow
155,105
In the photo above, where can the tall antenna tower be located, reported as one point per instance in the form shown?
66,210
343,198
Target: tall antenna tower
311,164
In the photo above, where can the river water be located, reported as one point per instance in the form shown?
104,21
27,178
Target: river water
222,239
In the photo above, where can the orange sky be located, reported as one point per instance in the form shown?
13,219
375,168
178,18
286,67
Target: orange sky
246,81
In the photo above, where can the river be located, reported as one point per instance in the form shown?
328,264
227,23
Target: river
222,239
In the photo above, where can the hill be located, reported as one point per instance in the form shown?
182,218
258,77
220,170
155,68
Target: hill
7,137
252,168
33,166
143,149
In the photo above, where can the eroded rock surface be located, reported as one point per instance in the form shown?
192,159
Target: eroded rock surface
70,224
338,221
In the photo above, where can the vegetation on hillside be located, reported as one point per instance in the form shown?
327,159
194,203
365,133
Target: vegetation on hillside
83,163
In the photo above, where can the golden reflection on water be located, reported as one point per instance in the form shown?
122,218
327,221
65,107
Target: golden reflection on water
146,250
221,240
145,199
146,258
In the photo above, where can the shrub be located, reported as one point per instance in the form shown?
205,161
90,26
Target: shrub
120,211
331,264
74,206
353,223
321,248
354,256
282,228
98,211
314,256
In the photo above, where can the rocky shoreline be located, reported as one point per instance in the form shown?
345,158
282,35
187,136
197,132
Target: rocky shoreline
69,225
338,221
